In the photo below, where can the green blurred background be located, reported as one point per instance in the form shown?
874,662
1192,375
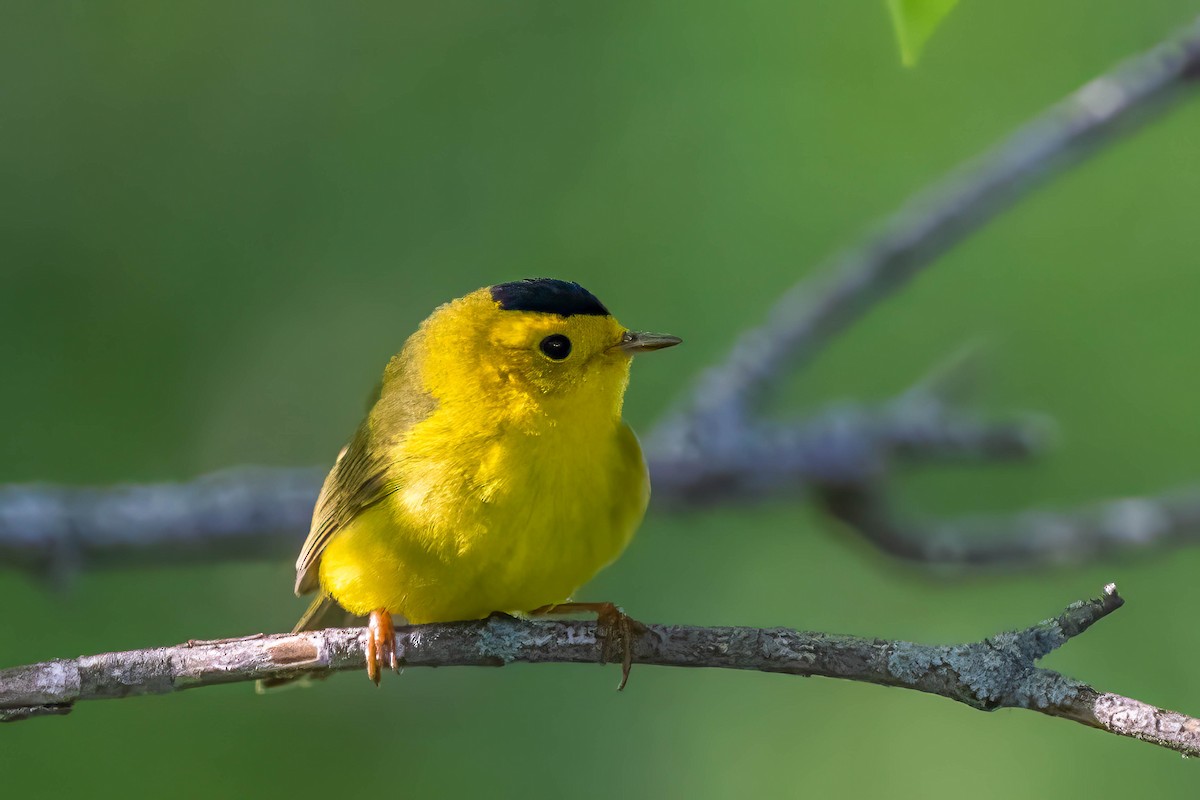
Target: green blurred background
218,220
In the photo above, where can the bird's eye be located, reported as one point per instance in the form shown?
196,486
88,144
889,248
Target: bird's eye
556,346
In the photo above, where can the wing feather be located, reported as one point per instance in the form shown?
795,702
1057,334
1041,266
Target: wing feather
361,477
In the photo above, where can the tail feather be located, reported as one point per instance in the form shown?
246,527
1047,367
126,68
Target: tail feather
323,612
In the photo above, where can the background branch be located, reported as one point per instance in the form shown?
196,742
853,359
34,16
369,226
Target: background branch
997,672
814,311
236,513
714,447
1027,540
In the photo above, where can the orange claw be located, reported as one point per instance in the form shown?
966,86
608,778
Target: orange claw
381,644
613,625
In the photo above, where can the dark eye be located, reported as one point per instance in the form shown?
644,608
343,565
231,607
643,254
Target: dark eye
556,346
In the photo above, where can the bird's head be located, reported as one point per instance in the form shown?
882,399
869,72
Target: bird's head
536,343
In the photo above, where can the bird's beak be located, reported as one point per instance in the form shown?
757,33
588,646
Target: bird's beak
639,342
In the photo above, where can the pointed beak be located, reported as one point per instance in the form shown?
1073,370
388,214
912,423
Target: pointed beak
639,342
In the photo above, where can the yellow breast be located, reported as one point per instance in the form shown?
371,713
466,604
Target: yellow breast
509,520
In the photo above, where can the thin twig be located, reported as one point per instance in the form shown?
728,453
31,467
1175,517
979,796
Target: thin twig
997,672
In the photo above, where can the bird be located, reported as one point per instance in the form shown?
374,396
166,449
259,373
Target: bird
493,472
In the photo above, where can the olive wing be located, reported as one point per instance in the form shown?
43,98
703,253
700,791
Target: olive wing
362,477
357,481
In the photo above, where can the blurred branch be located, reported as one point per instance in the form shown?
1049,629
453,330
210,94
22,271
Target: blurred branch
997,672
234,513
713,449
813,312
1026,540
843,444
844,457
56,531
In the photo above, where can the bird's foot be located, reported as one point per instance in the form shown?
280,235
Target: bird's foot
381,644
615,627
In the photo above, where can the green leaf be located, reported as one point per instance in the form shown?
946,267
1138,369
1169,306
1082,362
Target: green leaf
915,21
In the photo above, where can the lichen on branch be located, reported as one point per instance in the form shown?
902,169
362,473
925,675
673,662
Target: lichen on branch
1000,671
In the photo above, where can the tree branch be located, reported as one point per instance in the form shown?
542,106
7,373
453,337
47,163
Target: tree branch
814,311
997,672
1027,540
711,448
248,512
234,513
844,444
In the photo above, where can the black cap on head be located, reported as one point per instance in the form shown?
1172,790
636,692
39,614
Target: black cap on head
548,296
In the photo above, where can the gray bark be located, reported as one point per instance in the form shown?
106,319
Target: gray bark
997,672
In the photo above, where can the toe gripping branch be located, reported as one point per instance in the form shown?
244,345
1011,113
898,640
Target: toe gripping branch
616,628
381,645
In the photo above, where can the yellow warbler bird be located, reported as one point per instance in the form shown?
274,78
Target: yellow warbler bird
493,473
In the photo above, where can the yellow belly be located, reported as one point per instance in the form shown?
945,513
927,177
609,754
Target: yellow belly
510,526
